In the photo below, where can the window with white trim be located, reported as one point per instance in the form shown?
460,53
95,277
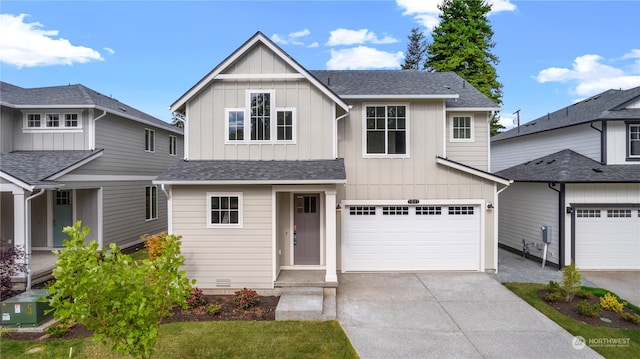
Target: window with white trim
70,120
633,145
173,145
33,120
362,210
149,140
461,128
224,209
385,128
284,125
52,121
261,120
235,124
460,210
260,115
151,202
395,211
428,210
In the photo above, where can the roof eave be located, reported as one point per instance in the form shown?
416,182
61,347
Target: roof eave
473,171
473,109
74,166
400,97
248,182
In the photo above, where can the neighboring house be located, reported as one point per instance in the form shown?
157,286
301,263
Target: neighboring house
331,170
577,170
70,153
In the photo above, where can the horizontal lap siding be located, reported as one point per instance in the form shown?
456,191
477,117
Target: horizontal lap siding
241,255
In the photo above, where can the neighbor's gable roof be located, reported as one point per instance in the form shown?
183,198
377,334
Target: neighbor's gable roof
259,37
74,96
609,105
405,84
254,172
568,166
38,169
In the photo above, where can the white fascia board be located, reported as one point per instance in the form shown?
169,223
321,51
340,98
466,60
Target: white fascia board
75,166
241,51
474,172
104,178
472,109
252,182
282,76
398,97
16,181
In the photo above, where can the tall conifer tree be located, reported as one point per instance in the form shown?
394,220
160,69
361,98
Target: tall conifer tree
416,50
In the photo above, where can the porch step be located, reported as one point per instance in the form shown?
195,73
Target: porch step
303,278
306,303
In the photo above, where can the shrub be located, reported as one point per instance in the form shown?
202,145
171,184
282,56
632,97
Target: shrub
585,294
553,297
59,330
631,317
585,308
196,298
246,298
610,302
11,264
213,309
155,244
570,286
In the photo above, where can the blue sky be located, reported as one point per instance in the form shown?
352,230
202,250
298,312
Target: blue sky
148,53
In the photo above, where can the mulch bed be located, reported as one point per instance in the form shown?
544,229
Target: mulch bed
265,310
570,309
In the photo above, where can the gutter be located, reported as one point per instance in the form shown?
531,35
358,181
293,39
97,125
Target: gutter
27,232
92,142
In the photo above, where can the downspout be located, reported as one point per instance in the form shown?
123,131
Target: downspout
27,232
93,130
496,201
169,208
603,141
561,224
335,132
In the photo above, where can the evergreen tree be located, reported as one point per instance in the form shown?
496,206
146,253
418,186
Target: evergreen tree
416,50
462,43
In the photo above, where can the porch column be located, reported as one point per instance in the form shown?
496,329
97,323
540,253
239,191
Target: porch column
19,220
330,233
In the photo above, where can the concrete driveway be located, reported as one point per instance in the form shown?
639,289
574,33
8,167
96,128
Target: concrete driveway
626,284
445,315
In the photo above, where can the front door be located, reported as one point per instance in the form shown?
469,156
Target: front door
306,229
62,215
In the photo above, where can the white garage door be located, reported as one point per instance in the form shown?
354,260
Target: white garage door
386,238
607,238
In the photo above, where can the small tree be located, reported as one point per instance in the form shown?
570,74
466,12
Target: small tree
123,301
11,264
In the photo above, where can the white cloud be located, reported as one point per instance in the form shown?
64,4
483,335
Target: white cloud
507,120
426,12
278,40
109,50
363,57
298,34
314,44
351,37
27,44
292,38
591,76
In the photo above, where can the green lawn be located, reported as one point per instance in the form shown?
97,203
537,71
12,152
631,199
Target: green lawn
528,292
224,339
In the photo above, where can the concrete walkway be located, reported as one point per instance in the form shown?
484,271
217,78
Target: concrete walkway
445,315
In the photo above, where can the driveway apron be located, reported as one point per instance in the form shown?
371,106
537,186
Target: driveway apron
445,315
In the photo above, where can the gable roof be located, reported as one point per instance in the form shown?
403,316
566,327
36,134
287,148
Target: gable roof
254,172
568,166
259,37
38,169
608,105
404,84
74,96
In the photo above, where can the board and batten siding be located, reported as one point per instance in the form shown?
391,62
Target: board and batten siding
123,141
44,139
524,209
581,139
471,153
617,143
241,257
9,119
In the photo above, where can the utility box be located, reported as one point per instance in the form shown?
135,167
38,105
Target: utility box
546,234
24,310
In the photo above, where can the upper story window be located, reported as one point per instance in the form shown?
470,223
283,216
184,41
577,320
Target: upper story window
173,145
633,145
260,120
52,121
149,140
385,130
461,128
224,209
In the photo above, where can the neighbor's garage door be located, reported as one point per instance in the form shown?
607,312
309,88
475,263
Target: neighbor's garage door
385,238
607,238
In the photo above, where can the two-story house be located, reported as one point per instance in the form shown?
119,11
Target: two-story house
70,153
576,170
331,170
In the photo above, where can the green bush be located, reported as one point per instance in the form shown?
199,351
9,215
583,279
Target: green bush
196,298
570,286
59,330
246,298
213,309
585,308
631,317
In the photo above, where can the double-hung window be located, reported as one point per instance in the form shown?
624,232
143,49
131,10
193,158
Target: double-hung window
151,202
633,145
260,120
224,209
461,128
149,140
386,130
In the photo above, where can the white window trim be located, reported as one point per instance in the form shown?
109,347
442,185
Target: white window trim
629,125
173,145
153,133
240,210
407,131
451,138
153,218
43,122
293,124
226,126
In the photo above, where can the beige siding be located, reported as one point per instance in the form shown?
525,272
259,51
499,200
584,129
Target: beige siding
51,140
242,256
473,153
313,124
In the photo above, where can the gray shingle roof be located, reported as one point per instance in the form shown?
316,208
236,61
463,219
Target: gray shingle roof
35,167
331,171
605,106
78,96
567,166
403,83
